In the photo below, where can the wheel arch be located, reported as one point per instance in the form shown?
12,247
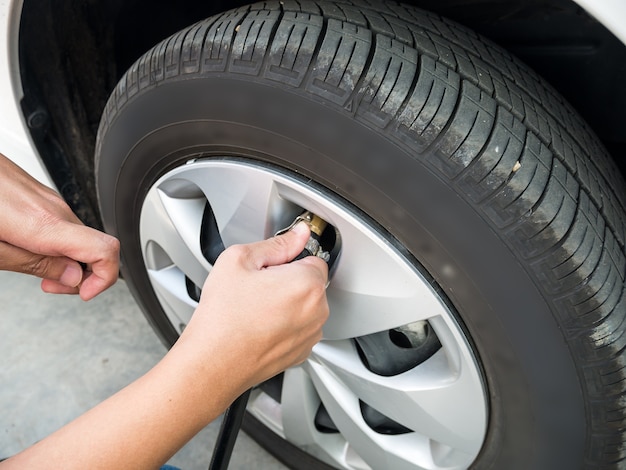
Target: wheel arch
72,55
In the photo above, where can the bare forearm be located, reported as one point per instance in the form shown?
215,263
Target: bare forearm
141,426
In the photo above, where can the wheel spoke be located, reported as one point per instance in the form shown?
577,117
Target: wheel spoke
299,402
169,286
377,450
433,399
173,224
240,199
373,289
354,314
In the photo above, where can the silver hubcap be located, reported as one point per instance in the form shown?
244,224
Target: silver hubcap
434,413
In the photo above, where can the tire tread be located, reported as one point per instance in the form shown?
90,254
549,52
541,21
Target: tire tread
479,118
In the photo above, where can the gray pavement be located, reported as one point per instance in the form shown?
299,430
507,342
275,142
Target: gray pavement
59,356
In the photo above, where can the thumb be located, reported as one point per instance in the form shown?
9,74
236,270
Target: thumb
282,248
62,270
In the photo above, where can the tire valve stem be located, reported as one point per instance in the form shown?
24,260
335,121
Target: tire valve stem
313,247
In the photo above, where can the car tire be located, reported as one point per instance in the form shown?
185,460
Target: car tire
469,166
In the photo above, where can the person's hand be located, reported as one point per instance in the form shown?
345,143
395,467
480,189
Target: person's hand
258,315
259,310
40,235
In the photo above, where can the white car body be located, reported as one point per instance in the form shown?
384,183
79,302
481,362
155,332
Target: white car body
15,142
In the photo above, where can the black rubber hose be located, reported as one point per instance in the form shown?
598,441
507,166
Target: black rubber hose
231,423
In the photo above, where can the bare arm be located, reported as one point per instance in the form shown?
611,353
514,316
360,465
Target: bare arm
257,316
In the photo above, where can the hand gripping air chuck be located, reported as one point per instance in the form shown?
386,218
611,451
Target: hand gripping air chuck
233,417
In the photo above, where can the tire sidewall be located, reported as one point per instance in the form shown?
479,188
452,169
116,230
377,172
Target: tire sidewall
536,411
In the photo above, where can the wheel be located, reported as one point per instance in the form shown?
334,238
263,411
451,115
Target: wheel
477,314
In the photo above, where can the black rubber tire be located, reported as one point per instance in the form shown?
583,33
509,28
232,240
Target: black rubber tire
470,160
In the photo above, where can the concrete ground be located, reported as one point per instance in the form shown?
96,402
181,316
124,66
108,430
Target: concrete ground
59,356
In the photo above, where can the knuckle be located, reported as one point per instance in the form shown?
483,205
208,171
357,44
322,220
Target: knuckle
282,241
44,218
236,253
58,202
37,266
112,244
45,225
318,337
318,281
